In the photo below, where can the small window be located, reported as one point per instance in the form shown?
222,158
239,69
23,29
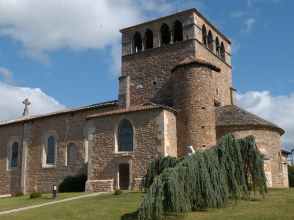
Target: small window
71,154
149,39
165,35
138,42
216,91
178,31
125,136
204,35
51,150
217,46
222,51
14,157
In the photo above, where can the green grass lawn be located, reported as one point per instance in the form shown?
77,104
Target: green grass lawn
9,203
278,204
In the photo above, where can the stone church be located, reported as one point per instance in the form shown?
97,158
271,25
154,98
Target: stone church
175,90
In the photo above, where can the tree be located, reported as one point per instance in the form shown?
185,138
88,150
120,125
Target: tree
204,179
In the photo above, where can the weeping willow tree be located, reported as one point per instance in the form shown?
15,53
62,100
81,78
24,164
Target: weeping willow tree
203,180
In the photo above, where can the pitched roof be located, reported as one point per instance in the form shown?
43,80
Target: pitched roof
231,115
135,108
61,112
192,59
286,151
182,12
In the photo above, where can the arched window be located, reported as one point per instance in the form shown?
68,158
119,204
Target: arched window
204,35
14,156
165,35
222,52
149,39
210,41
217,46
71,154
178,31
138,42
125,136
51,150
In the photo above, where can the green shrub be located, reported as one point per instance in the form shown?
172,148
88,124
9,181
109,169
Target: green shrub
20,193
118,192
35,194
291,175
73,184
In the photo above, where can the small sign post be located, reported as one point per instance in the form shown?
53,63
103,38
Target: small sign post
54,191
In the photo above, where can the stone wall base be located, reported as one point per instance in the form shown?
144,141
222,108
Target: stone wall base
99,186
136,185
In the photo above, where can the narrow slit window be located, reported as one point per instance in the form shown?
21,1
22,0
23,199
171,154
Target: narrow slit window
14,158
125,136
50,150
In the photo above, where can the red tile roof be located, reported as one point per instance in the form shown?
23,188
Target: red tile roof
61,112
191,60
286,151
135,108
182,12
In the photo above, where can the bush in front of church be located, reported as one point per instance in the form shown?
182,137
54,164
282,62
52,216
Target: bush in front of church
20,193
73,184
118,192
35,194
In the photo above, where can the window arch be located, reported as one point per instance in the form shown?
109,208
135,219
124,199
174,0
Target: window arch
217,46
222,52
210,41
125,136
50,150
178,31
204,36
149,39
71,154
14,155
165,35
138,42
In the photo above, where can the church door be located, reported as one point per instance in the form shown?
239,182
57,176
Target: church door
124,176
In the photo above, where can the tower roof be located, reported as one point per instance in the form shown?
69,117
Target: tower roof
191,60
182,12
231,115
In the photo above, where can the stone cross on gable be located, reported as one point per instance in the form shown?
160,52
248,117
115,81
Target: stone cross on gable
26,110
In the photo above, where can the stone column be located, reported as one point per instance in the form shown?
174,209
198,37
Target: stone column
124,92
24,159
143,43
172,37
218,50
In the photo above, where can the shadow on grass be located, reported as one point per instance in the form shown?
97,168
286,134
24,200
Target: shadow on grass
130,216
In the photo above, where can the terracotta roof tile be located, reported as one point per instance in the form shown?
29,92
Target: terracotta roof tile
286,151
182,12
191,60
61,112
231,115
135,108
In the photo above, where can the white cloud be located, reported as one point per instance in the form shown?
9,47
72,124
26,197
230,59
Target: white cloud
43,26
235,46
248,23
278,110
237,14
7,75
11,106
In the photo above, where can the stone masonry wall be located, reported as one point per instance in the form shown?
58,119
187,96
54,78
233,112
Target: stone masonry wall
267,141
68,128
99,186
103,154
153,66
10,178
194,86
223,79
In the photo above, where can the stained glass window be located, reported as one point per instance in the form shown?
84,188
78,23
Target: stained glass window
14,155
51,149
125,136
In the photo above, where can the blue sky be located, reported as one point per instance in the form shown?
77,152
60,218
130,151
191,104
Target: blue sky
65,54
